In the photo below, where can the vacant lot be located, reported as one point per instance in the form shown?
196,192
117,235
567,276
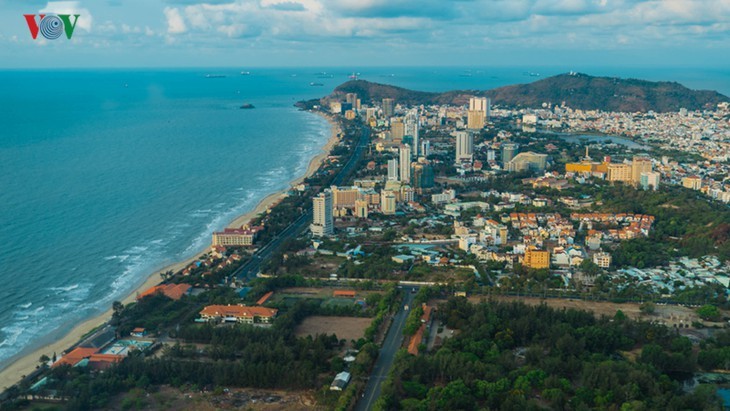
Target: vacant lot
671,315
348,328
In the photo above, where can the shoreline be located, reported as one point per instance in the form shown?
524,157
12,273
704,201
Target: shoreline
25,363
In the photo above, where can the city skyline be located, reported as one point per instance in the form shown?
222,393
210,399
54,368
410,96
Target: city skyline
188,33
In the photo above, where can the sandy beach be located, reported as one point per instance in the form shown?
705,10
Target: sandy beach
26,363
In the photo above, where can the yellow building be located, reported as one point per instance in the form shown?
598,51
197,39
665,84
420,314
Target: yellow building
350,114
619,172
586,167
475,120
693,182
639,165
344,196
235,236
536,259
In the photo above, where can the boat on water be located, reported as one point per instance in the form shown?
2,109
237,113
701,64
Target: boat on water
313,84
245,73
214,76
354,76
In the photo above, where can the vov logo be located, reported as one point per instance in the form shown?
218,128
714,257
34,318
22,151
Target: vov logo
51,26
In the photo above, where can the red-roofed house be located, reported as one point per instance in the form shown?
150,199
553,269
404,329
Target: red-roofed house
172,291
238,313
344,293
75,356
265,298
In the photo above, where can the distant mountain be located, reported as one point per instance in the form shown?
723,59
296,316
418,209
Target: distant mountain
579,91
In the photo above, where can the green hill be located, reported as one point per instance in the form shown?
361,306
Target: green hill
579,91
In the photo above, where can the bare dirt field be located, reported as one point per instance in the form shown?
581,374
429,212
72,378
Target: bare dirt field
168,398
671,315
348,328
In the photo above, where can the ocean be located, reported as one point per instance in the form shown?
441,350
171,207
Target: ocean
109,175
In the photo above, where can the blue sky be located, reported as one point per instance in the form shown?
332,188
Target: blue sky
251,33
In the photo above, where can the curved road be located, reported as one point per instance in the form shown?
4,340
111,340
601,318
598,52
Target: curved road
250,268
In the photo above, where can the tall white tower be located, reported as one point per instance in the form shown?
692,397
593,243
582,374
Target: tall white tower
323,221
464,146
405,163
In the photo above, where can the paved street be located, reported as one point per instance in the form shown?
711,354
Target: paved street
392,343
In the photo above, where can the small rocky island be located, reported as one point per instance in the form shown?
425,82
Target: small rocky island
247,106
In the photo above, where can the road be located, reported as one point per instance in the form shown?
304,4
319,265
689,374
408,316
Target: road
250,268
392,343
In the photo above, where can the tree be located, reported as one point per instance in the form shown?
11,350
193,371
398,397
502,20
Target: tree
648,308
709,313
44,359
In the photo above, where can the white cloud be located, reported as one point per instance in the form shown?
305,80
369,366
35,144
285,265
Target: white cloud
175,22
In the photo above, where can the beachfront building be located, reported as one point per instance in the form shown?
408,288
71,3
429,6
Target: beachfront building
323,219
243,236
238,313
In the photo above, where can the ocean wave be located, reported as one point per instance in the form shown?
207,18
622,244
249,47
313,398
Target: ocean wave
26,305
66,289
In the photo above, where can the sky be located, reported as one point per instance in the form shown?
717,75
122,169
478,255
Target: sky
324,33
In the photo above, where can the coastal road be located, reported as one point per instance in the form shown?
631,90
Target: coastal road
249,269
392,343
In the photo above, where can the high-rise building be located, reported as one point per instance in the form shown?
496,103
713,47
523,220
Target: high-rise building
351,98
509,151
425,148
650,180
478,104
388,107
619,172
405,164
477,113
491,155
423,176
464,147
387,202
361,209
323,220
393,170
411,129
639,165
344,197
397,130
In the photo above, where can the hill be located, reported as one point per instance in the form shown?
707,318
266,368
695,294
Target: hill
579,91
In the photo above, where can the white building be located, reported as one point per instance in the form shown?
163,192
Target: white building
405,163
393,170
464,147
387,202
323,220
650,180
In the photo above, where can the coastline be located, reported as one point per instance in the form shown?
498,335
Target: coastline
24,364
